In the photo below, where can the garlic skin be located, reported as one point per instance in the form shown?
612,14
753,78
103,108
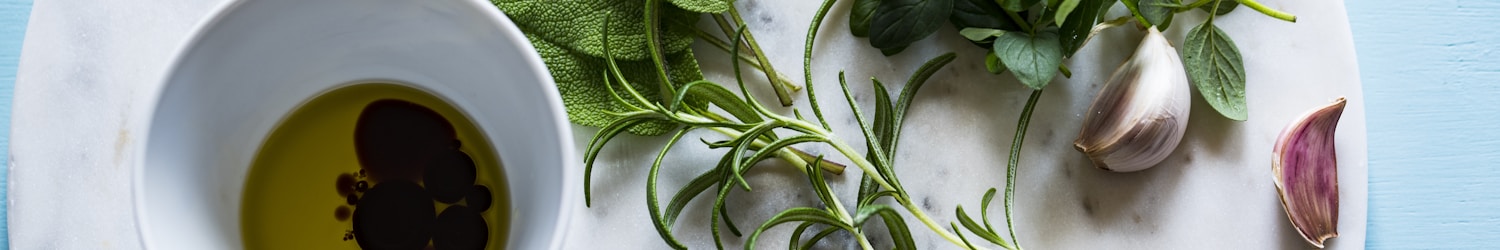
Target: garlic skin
1304,164
1139,117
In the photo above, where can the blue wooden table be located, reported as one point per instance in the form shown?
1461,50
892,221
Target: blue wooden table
1431,74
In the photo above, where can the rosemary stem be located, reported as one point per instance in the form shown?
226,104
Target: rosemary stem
863,242
747,59
1015,160
922,216
786,154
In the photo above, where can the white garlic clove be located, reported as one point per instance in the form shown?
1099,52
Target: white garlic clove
1305,166
1139,117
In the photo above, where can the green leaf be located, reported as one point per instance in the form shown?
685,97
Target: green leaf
1064,9
980,14
993,63
980,34
1155,12
897,23
578,25
703,6
1075,29
585,95
859,16
1224,7
892,51
1217,70
1033,59
1018,5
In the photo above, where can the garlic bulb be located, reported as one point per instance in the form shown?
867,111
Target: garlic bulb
1305,167
1139,117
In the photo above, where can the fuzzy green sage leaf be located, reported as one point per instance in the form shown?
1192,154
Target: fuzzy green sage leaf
703,6
583,89
580,25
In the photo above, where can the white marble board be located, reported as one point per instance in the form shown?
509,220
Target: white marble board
1214,192
85,63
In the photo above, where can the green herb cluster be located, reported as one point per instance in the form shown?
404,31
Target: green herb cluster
1030,38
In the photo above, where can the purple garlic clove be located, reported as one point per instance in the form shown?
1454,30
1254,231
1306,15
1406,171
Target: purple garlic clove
1305,168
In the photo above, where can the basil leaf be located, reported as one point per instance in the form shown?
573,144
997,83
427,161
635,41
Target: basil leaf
1217,70
897,23
1154,12
993,64
1033,59
1076,28
1063,10
892,51
980,34
1018,5
1224,7
859,17
703,6
980,14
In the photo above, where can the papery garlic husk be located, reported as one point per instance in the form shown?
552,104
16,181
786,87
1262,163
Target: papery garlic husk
1139,117
1306,172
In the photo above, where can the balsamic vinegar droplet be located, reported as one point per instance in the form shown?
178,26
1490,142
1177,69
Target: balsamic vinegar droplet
394,215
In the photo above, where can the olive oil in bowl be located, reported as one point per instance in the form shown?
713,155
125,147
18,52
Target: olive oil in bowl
375,166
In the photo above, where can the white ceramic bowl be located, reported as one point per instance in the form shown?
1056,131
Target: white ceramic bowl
256,60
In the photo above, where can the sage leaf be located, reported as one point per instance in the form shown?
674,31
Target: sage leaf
703,6
1214,64
1033,59
1018,5
1224,7
588,101
579,25
1075,29
859,17
897,23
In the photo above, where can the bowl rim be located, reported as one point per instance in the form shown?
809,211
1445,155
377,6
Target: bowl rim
570,177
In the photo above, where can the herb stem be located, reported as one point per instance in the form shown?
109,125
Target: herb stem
754,47
1020,21
1015,160
939,229
863,242
1268,10
748,59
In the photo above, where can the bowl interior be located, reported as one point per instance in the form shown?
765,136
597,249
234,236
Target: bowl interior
257,60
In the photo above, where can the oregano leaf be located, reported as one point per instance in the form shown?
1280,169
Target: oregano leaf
859,17
1075,29
1153,12
898,23
1033,59
1224,7
980,34
1217,70
993,64
1063,10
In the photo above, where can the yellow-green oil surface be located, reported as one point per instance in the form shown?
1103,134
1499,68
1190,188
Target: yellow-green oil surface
292,197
